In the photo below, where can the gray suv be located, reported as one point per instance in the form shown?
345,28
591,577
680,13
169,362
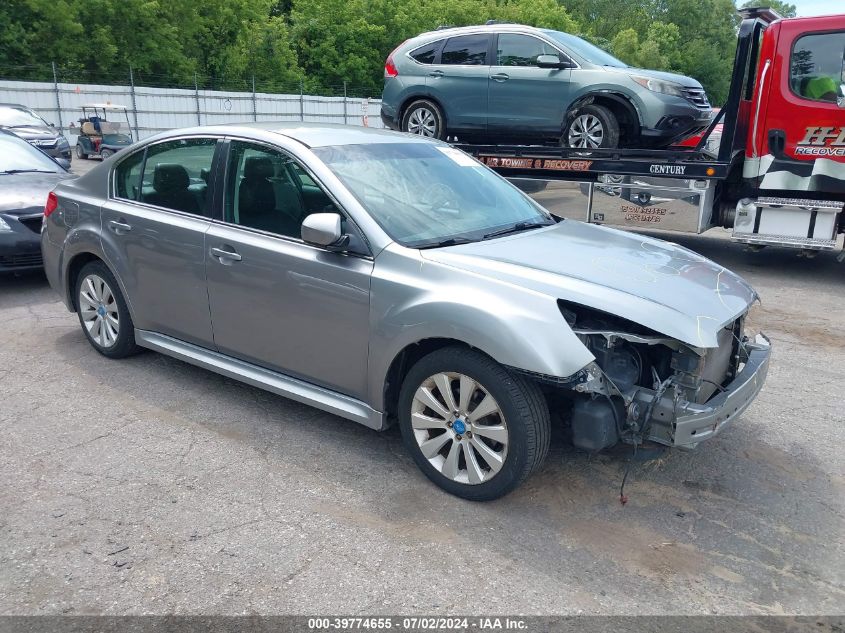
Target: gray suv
389,278
507,82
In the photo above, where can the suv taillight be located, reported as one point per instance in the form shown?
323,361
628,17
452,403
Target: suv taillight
389,67
52,204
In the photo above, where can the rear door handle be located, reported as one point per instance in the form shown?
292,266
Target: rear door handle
225,257
500,77
435,73
119,228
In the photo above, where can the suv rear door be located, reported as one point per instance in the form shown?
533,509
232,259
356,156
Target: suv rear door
524,98
459,81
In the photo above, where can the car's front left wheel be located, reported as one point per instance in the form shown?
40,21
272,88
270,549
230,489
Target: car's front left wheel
473,427
102,312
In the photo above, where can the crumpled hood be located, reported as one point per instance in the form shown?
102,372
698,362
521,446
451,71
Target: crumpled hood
660,285
27,193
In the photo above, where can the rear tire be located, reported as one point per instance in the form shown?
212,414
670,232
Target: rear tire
103,313
496,440
106,153
424,118
591,127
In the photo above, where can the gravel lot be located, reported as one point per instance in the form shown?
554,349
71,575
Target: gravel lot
150,486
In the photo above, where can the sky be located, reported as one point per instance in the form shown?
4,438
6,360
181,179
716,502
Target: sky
816,7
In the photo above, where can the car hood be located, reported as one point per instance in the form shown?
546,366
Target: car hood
27,193
687,82
35,132
657,284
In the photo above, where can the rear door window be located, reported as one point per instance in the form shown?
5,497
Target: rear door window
817,67
466,50
521,50
128,176
177,175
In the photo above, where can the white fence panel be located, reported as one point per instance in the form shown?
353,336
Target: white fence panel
153,110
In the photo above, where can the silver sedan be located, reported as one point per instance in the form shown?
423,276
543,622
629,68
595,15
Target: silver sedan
389,278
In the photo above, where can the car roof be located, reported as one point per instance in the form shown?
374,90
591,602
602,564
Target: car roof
309,134
482,28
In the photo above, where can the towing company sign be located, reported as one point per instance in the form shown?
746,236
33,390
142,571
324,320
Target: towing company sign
554,164
822,141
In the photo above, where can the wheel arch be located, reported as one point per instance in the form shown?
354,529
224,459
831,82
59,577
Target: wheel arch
623,108
75,264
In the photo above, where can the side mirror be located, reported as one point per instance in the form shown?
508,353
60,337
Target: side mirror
323,229
552,61
64,162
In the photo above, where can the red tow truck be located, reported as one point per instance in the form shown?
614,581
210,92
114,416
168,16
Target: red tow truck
771,165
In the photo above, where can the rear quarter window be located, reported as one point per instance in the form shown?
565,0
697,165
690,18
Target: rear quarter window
427,54
127,176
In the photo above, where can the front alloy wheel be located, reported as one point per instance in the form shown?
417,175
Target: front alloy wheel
473,427
459,427
586,131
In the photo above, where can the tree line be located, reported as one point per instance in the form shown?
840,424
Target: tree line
324,43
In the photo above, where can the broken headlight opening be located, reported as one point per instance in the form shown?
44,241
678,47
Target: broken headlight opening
641,380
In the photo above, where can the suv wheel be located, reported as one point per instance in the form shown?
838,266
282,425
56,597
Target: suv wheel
591,127
103,313
424,119
474,428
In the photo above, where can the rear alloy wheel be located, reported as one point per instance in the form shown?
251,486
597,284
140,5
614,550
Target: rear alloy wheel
592,127
80,153
423,118
472,427
103,313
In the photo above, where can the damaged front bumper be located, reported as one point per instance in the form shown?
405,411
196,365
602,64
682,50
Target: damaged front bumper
683,424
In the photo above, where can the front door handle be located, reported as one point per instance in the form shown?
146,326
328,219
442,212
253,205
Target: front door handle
224,256
500,77
119,228
435,73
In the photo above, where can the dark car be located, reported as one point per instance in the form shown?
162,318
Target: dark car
511,82
27,177
24,122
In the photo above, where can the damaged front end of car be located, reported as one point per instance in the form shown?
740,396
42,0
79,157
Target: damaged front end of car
644,386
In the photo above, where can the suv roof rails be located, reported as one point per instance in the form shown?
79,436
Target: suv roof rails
443,27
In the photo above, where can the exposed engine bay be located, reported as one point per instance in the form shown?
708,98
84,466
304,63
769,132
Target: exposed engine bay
643,385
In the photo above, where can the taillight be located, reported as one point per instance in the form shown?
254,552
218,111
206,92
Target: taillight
389,67
52,204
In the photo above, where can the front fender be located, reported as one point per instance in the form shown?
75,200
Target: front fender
414,300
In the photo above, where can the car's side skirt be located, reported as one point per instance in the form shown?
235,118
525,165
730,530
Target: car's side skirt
293,388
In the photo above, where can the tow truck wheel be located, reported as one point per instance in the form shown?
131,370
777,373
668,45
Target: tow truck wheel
591,127
424,118
80,153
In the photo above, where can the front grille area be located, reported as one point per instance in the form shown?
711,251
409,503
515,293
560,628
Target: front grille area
20,261
698,97
33,223
48,144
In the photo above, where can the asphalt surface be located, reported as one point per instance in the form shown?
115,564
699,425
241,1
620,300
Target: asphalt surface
150,486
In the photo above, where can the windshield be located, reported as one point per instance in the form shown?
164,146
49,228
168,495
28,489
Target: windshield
424,194
12,117
583,48
18,155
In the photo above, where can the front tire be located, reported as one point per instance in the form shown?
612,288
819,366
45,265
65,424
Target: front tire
474,428
424,118
80,153
591,127
102,312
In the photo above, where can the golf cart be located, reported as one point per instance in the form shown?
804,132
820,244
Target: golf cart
99,136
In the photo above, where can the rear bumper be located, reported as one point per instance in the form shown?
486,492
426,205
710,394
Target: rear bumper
686,424
388,119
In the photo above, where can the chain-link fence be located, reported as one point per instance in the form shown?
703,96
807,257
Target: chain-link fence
155,103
